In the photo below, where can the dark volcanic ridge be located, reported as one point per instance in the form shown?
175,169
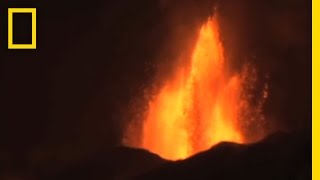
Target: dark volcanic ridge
279,156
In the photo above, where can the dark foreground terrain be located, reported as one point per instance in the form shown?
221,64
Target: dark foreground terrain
280,156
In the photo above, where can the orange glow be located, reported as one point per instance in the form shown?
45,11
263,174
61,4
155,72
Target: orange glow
201,105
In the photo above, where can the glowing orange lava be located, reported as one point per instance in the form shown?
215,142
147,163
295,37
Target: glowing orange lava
200,106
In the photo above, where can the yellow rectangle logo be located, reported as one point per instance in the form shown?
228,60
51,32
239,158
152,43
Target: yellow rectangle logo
33,12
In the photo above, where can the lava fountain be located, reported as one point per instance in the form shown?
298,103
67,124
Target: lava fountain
202,104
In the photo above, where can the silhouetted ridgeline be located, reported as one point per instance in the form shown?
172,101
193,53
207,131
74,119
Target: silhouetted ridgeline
280,156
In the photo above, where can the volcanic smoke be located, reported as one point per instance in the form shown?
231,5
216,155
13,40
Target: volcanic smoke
203,103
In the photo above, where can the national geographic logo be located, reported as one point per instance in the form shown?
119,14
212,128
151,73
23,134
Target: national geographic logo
19,24
11,14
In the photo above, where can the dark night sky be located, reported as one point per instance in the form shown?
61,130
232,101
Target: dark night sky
68,98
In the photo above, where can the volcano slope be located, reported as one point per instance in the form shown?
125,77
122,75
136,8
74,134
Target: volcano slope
279,156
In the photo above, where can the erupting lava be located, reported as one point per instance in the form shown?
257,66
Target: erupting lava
201,105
